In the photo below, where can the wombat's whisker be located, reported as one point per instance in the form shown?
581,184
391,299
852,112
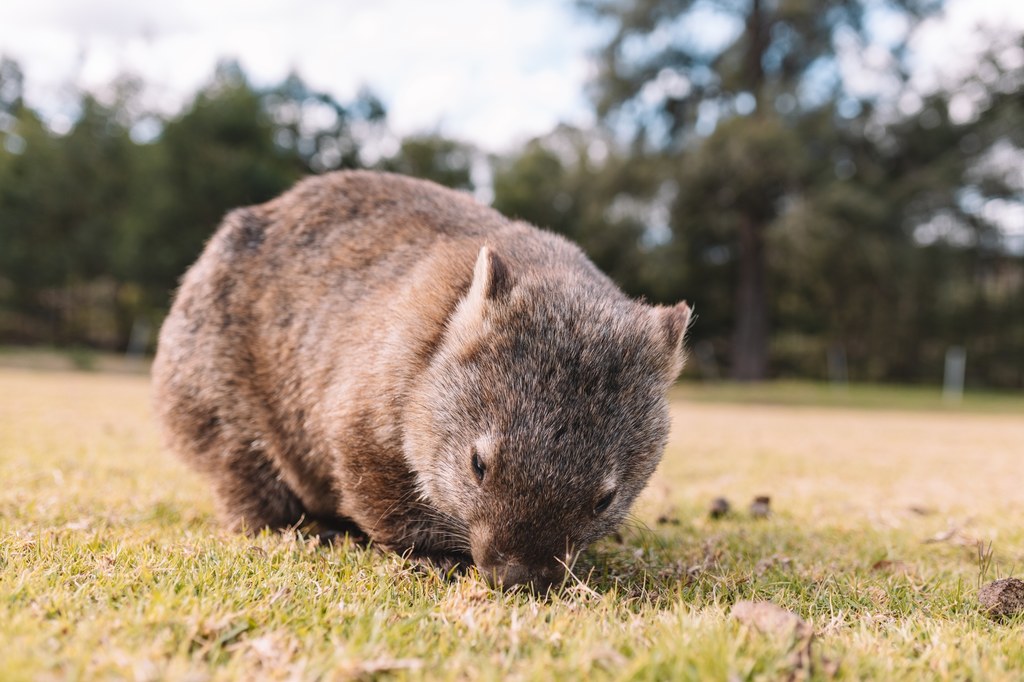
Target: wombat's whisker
634,523
396,505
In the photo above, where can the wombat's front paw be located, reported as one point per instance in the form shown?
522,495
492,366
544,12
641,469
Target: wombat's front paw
448,565
333,531
329,538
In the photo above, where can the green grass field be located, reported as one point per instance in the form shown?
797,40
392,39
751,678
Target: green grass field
112,564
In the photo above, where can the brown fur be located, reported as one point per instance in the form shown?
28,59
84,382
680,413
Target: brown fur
340,353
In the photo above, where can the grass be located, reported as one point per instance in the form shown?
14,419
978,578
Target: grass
862,396
76,358
112,564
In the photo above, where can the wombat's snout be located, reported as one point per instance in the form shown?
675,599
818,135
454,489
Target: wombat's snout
538,578
502,570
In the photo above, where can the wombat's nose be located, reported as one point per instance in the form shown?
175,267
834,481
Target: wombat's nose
537,578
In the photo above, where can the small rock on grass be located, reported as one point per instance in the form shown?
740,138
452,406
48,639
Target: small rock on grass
770,619
1002,598
719,507
761,507
892,566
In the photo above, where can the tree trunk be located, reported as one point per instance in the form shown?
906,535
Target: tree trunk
750,336
750,340
757,45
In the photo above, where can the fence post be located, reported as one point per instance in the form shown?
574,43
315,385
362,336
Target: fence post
953,381
138,340
837,373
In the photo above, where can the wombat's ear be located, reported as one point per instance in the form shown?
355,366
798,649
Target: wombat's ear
673,321
491,281
491,277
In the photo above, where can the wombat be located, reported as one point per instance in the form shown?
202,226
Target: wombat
376,353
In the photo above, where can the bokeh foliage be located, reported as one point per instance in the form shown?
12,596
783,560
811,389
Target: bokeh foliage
805,220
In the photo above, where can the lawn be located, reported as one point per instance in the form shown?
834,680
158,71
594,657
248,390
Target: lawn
884,523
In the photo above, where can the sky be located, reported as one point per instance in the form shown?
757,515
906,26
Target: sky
492,72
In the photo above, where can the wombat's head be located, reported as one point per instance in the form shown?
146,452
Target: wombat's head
542,416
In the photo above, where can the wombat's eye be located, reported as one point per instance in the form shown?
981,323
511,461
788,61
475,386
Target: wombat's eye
478,466
603,504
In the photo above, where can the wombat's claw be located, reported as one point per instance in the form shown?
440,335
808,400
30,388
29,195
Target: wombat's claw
448,566
329,538
333,531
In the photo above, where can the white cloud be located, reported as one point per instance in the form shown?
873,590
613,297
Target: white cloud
947,48
493,72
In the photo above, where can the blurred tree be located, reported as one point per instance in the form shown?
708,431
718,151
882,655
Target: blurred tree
62,201
889,252
96,227
315,127
12,86
886,228
674,70
218,154
434,157
236,145
574,183
732,188
28,159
